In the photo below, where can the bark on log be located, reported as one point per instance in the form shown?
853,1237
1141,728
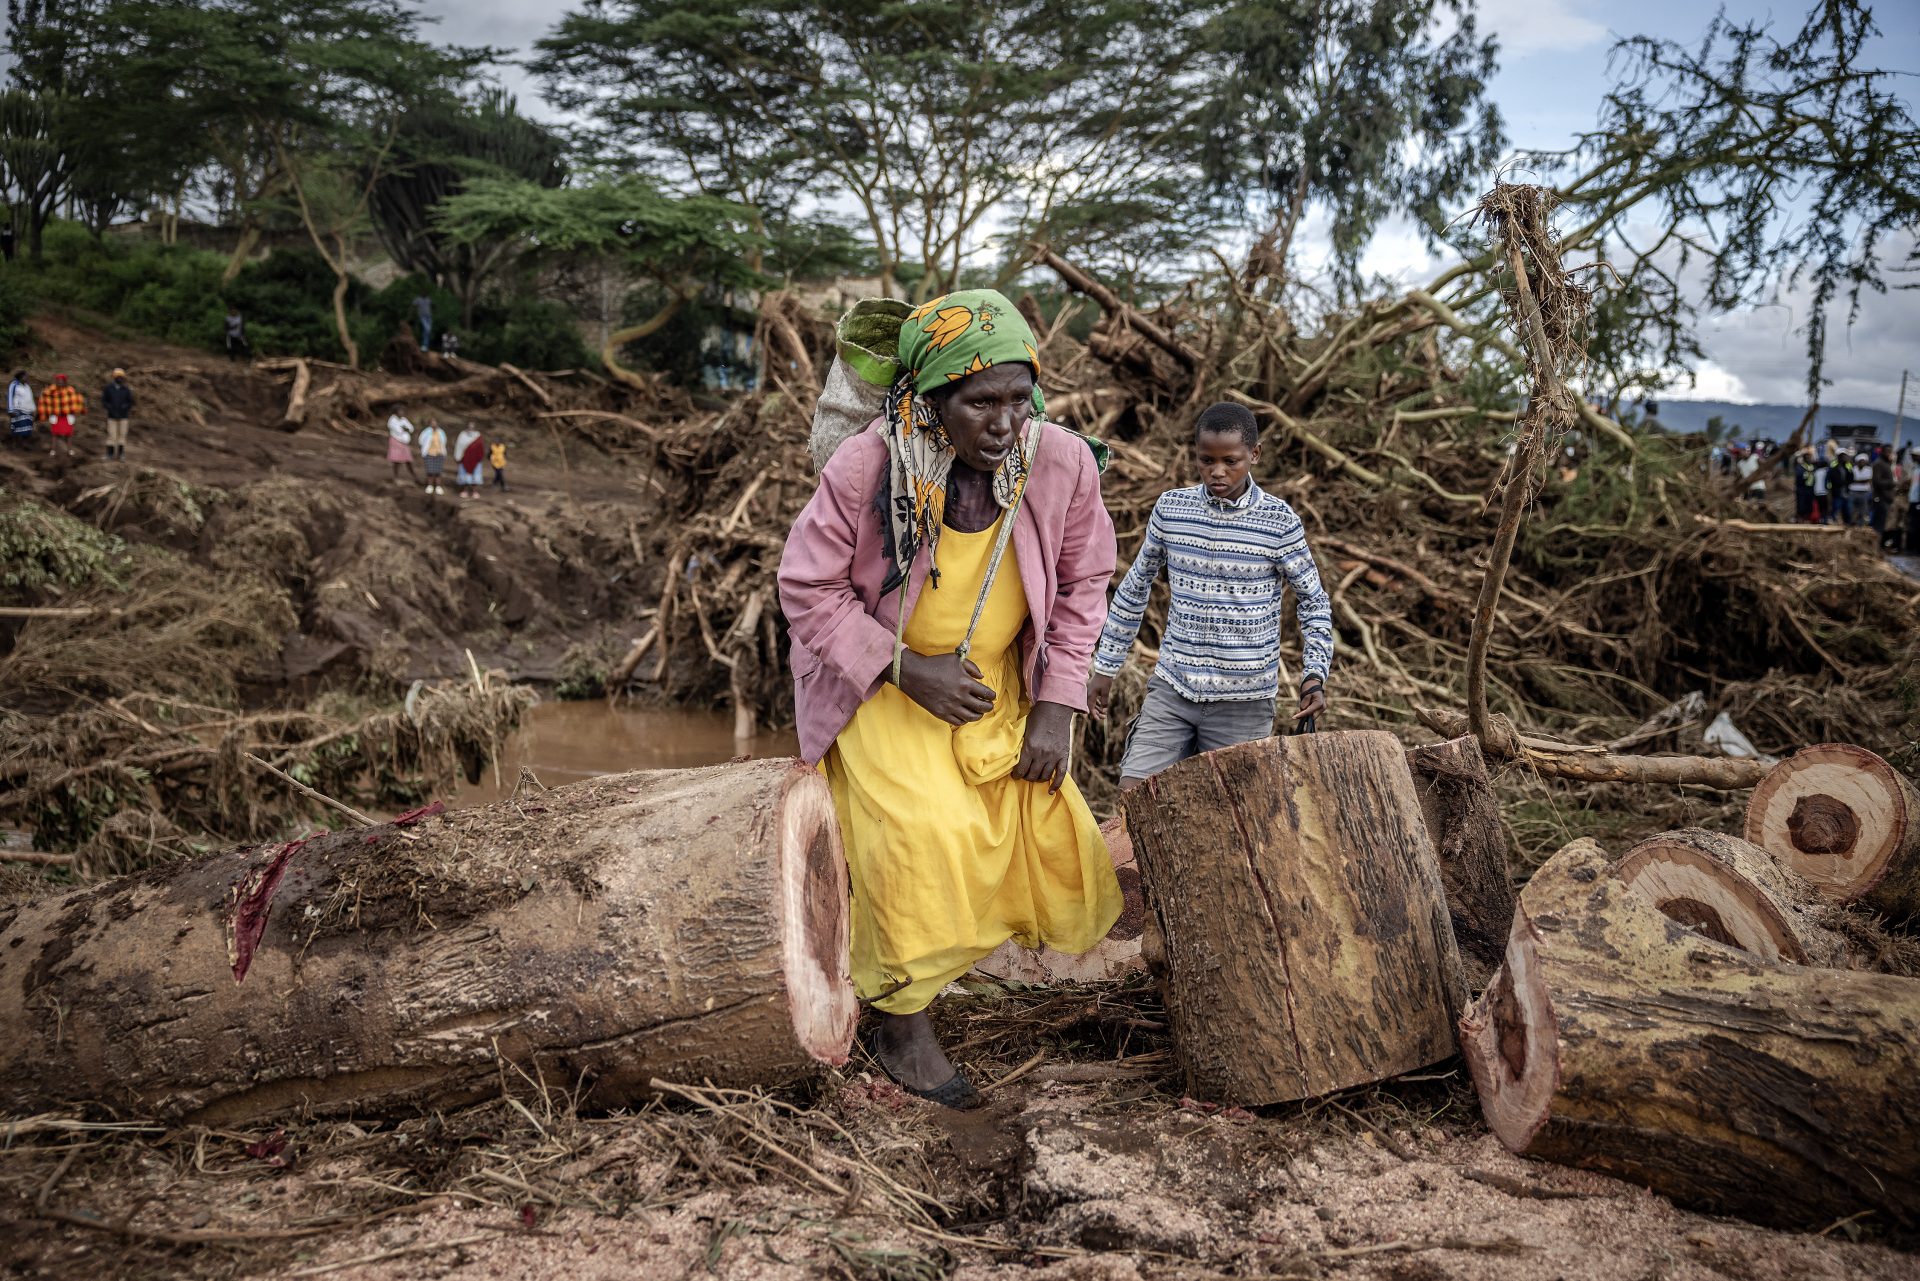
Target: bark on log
1734,893
684,924
1847,821
1463,821
1618,1040
1080,282
1597,765
1301,914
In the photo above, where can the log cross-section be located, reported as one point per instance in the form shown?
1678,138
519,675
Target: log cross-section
1301,918
1734,893
1619,1040
684,924
1847,821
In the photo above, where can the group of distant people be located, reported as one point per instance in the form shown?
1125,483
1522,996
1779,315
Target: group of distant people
471,452
1837,486
60,408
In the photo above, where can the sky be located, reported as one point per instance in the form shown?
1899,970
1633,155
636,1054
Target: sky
1553,73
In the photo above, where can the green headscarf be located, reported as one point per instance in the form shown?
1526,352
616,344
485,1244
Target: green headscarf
942,342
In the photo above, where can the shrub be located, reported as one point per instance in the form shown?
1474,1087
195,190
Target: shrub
15,305
174,293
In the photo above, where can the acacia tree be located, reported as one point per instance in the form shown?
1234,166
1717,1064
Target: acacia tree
1762,162
439,147
1360,106
675,243
934,120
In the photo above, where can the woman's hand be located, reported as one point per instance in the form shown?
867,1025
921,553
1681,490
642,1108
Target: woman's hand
1043,758
947,685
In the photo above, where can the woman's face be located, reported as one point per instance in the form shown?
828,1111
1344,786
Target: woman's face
985,413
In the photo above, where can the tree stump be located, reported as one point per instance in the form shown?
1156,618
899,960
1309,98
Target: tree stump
1463,820
1846,821
1618,1040
684,924
1301,914
1734,893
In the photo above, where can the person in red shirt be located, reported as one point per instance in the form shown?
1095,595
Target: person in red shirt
60,407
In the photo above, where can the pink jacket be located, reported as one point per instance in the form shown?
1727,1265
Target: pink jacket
842,627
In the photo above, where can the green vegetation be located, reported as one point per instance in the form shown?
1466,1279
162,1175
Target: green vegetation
725,145
174,293
44,551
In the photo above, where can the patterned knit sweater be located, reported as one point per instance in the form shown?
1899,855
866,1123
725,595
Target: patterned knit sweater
62,398
1228,564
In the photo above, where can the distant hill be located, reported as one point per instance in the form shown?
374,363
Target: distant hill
1776,422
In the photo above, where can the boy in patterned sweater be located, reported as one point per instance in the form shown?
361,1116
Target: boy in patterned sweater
1230,551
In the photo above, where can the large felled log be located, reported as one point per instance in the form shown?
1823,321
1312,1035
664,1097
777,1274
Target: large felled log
1847,821
1463,819
1301,914
1734,893
1618,1040
684,924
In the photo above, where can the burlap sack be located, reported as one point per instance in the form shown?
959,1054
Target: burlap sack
865,363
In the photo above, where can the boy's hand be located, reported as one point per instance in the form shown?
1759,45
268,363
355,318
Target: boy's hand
947,685
1043,758
1099,690
1313,698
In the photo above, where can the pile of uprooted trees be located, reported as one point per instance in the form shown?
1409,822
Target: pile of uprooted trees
1319,908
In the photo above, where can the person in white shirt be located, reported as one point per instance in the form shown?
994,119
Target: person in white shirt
20,411
400,446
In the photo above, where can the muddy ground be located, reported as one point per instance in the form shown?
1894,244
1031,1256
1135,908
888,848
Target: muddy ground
1090,1164
389,581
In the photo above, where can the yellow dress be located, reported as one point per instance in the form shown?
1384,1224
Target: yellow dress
949,855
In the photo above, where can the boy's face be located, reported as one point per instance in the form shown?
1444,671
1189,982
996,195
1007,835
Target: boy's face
1224,460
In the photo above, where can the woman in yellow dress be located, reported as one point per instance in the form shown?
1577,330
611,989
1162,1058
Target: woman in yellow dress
944,590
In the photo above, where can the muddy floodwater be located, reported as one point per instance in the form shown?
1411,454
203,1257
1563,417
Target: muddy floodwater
564,742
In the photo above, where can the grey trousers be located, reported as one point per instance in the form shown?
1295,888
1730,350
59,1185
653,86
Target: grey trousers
1170,728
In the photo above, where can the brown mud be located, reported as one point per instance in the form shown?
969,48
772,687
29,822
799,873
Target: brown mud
1087,1164
641,515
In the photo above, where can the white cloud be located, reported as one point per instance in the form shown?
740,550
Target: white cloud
1709,382
1538,26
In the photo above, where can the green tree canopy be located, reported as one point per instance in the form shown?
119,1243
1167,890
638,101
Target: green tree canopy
439,146
678,243
935,120
1359,106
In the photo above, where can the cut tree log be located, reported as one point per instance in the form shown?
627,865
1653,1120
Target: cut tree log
1847,821
1734,893
1082,283
1301,914
1598,765
1463,821
683,924
1617,1040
